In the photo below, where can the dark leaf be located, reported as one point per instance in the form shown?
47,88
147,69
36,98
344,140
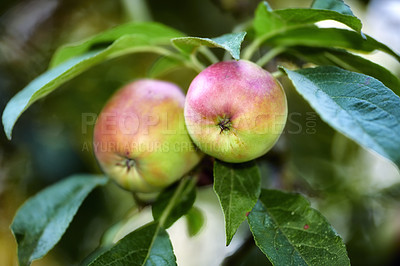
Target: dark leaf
349,61
237,187
148,245
289,232
42,220
358,106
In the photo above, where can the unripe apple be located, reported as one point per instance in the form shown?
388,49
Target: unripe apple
235,111
140,138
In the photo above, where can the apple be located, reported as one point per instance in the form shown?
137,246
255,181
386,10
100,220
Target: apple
140,138
235,111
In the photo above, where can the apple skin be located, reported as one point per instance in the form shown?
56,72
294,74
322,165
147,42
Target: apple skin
235,111
140,138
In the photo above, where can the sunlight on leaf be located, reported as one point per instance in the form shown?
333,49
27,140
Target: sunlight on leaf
155,33
55,77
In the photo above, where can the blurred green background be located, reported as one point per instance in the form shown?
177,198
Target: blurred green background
356,190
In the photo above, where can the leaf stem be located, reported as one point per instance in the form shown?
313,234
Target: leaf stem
196,63
193,63
208,54
171,203
277,74
137,10
269,55
249,51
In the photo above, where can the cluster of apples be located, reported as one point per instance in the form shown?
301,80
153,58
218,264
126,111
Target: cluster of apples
148,135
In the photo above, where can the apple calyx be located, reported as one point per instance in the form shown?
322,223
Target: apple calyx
224,123
128,163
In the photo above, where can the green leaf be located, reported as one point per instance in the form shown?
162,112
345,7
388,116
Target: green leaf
237,187
335,5
294,27
42,220
73,59
53,78
195,221
155,33
357,105
268,21
289,232
349,61
148,245
328,37
178,199
230,42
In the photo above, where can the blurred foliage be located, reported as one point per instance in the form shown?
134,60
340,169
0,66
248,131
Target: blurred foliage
353,188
